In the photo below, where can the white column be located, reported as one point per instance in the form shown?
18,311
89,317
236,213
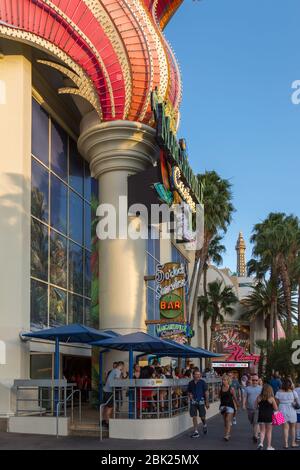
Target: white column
116,150
15,170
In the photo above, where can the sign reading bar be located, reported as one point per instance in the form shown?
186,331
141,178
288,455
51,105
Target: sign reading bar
170,284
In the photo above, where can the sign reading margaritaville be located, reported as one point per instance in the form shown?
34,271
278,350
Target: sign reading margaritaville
171,330
175,150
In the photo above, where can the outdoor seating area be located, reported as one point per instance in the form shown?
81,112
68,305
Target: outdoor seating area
133,399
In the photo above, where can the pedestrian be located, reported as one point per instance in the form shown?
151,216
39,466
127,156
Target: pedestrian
115,373
297,390
266,405
235,383
275,382
250,395
288,402
228,404
198,395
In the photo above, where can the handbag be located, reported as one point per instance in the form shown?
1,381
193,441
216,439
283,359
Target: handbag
296,404
277,418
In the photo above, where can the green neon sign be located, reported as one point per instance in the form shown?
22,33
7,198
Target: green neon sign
175,149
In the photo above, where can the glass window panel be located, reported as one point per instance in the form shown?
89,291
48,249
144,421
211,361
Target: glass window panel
39,250
87,182
38,304
76,217
59,146
39,190
76,171
87,225
40,133
91,315
75,268
58,259
40,366
75,309
58,307
59,194
87,274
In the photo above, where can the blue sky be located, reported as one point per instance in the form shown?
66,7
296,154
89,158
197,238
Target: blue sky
238,60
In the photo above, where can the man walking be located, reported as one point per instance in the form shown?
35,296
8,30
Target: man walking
250,395
198,395
115,373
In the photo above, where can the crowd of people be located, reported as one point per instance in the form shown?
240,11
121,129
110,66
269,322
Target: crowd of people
267,403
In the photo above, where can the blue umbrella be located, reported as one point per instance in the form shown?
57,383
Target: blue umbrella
73,333
146,343
189,351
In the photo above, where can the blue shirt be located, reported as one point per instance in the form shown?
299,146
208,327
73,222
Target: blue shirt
275,384
197,389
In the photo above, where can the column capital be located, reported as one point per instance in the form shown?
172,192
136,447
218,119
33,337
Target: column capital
117,145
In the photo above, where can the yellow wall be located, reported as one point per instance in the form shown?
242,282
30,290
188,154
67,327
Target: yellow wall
15,168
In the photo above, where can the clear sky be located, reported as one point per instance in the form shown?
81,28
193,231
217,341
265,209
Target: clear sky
238,60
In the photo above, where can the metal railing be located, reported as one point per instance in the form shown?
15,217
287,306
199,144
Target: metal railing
155,398
64,402
39,397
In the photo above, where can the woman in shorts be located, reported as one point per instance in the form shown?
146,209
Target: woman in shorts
228,404
266,405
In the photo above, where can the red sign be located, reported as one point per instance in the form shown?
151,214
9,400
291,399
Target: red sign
237,353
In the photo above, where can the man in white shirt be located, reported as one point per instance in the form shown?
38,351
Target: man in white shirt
115,373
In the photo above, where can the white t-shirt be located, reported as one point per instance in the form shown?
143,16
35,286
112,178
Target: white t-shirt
114,374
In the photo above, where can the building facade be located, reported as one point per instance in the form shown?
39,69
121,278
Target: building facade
76,81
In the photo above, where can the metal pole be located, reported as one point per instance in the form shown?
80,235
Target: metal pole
56,372
130,394
100,383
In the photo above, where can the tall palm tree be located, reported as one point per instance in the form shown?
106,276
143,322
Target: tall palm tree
205,312
259,304
214,256
274,243
221,301
217,197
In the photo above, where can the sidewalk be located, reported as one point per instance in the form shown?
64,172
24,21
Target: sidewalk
241,440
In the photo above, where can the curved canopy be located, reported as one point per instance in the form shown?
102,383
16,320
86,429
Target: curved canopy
73,333
146,343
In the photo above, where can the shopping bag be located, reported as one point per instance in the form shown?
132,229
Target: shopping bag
278,418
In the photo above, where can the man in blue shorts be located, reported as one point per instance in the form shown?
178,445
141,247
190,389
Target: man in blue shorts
198,395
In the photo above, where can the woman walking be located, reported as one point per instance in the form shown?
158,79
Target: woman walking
266,405
288,401
228,404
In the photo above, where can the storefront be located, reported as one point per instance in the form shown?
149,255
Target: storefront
78,124
232,339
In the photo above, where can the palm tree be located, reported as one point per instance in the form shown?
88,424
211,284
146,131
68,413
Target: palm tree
205,312
214,255
275,241
259,303
220,302
217,197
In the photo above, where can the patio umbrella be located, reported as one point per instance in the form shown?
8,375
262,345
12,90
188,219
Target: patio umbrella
73,333
146,343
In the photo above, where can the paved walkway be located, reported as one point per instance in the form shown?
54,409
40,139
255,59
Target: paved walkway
241,440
